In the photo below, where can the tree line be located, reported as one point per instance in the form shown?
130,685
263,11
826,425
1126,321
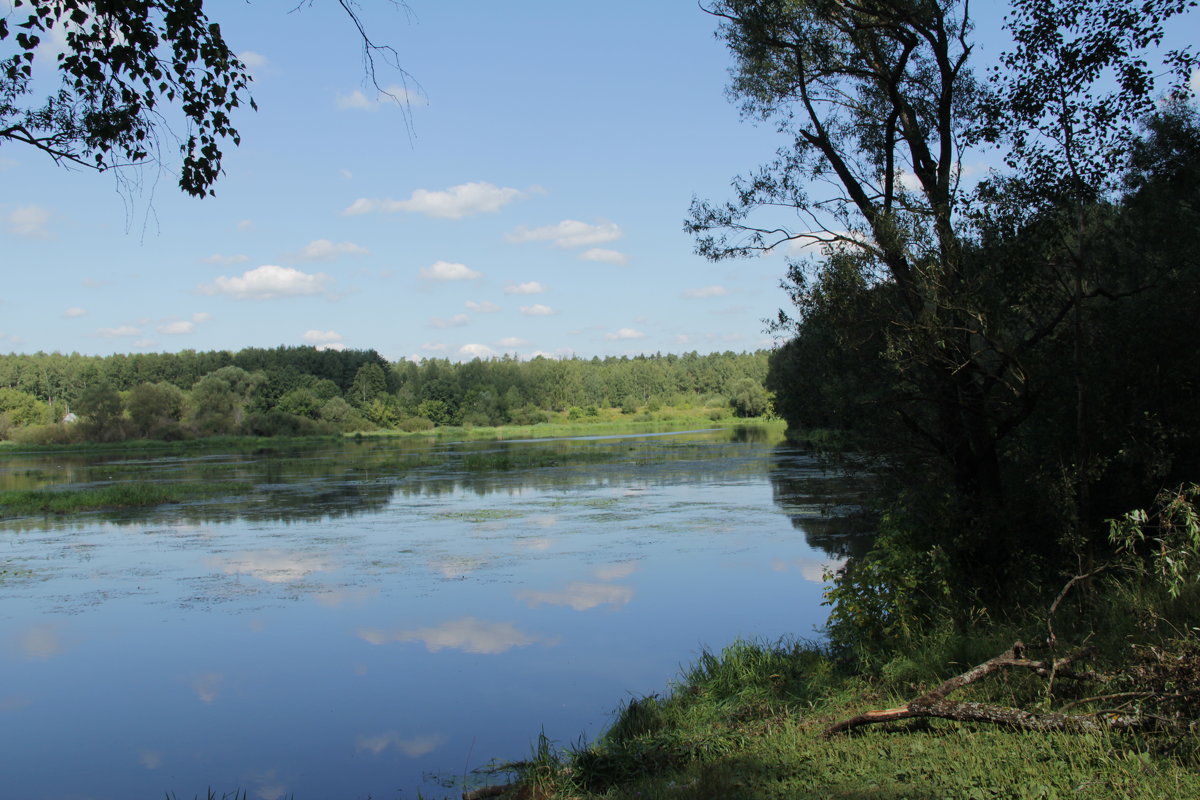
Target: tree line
303,390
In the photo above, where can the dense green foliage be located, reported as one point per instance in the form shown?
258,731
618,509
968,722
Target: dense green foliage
296,391
1015,354
125,66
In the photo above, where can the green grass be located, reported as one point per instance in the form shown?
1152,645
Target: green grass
223,444
116,496
610,424
747,723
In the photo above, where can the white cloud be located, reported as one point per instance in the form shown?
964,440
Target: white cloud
363,206
468,634
345,174
338,346
908,180
217,258
512,341
1194,83
486,307
252,59
435,347
476,351
456,321
245,225
537,310
176,328
269,282
120,330
201,316
29,221
625,334
314,336
449,271
605,256
530,287
357,100
74,312
479,197
706,291
144,343
568,233
324,250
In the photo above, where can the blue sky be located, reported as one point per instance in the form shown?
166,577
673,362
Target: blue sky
532,201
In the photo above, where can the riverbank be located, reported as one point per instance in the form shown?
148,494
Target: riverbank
605,422
753,721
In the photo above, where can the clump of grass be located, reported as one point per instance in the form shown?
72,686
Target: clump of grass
481,514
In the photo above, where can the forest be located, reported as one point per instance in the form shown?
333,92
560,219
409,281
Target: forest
305,391
994,274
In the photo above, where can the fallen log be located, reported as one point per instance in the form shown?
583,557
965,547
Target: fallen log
935,703
488,791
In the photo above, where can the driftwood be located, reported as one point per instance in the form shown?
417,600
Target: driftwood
936,704
487,791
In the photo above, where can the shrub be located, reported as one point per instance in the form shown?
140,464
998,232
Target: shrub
56,433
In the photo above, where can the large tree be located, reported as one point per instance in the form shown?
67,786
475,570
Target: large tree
125,66
874,96
128,72
879,105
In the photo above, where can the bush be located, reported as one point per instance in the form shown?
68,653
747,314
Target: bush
528,415
56,433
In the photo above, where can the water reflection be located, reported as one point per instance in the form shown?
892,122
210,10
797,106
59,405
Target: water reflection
468,634
350,617
355,478
271,566
42,642
413,747
825,505
580,596
207,686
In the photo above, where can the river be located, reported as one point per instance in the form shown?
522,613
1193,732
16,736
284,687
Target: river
381,618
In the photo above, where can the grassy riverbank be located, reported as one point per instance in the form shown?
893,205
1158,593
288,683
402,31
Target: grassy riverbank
749,722
605,422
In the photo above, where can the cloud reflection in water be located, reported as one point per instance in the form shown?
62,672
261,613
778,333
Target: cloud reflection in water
414,747
468,634
272,566
207,686
809,569
580,596
42,642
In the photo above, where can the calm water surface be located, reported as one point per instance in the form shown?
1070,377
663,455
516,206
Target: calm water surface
376,619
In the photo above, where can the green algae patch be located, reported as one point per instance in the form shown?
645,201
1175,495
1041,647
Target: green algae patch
121,495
